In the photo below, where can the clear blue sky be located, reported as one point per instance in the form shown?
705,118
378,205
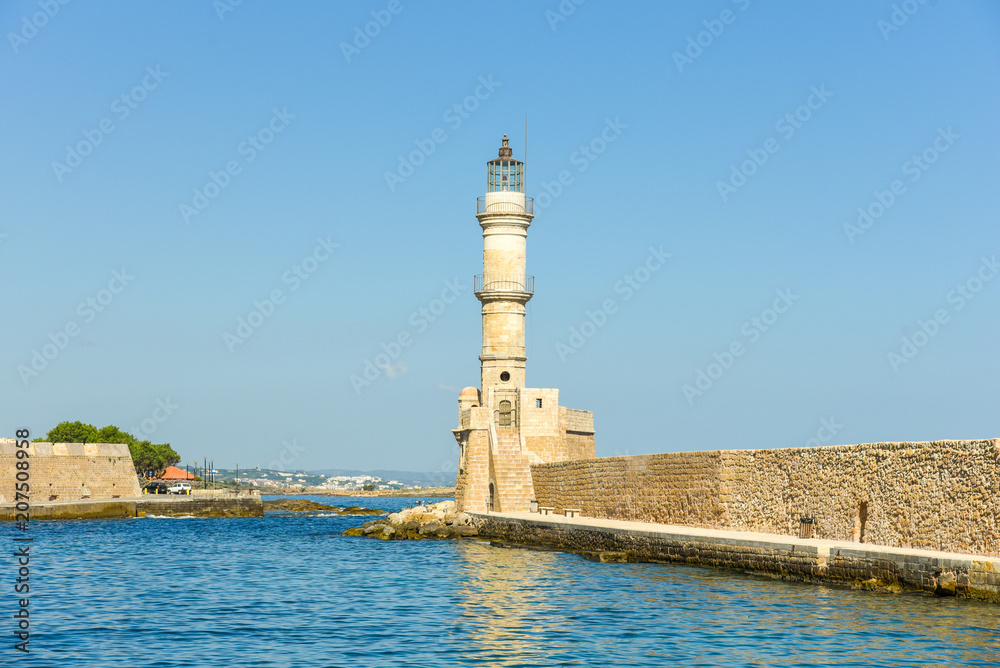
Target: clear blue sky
329,122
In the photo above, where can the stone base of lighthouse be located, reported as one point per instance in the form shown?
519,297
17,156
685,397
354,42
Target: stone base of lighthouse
502,434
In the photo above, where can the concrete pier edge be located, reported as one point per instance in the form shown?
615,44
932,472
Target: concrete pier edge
828,562
197,505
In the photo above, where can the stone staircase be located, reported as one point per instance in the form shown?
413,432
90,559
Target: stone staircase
508,442
512,471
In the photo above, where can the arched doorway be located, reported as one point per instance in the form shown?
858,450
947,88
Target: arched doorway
492,499
505,414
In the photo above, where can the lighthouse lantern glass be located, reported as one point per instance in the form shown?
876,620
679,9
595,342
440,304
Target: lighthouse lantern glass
505,176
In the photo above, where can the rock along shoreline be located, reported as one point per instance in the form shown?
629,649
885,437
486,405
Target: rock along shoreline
304,506
435,521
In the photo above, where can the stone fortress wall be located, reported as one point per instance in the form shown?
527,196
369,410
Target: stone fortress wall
500,453
70,471
941,495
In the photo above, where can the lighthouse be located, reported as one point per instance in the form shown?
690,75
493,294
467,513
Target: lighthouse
505,427
504,287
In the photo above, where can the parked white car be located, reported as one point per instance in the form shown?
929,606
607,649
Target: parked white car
180,488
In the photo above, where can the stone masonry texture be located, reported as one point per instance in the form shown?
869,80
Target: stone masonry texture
941,495
501,455
70,471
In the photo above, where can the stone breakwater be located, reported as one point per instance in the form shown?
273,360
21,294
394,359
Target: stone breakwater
837,563
940,495
168,505
440,520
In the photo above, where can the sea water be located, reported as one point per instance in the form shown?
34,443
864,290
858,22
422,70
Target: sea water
285,590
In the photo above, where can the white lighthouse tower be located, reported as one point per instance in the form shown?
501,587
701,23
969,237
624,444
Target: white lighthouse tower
505,427
504,288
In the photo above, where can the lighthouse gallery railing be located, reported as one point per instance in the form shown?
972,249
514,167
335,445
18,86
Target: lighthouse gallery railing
500,283
501,206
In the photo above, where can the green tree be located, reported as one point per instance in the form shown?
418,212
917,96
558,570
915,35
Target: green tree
146,456
149,457
112,434
167,455
72,432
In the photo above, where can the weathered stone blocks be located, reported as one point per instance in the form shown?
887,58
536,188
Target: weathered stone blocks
940,495
70,471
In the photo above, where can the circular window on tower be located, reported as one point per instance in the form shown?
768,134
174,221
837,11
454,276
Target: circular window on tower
505,376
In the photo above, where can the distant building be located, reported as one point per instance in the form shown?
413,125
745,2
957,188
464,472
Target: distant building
174,473
504,426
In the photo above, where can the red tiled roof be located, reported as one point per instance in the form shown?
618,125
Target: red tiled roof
174,473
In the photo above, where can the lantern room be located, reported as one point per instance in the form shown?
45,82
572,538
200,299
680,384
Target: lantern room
505,174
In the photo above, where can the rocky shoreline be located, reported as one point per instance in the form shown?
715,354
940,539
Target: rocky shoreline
435,521
307,506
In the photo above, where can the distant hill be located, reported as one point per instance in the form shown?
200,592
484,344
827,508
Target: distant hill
347,478
424,479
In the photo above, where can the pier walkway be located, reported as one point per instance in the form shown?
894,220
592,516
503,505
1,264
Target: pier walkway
846,563
202,503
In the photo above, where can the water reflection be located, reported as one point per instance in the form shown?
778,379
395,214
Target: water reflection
523,607
287,592
503,601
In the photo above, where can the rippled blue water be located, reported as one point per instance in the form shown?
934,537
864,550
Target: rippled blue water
291,591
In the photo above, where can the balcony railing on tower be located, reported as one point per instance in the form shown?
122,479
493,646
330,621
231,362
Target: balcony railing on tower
501,283
503,206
